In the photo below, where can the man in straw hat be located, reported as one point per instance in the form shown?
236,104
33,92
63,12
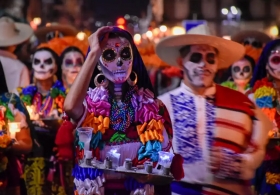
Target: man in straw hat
219,132
11,35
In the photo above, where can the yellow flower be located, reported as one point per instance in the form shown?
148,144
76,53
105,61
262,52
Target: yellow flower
265,91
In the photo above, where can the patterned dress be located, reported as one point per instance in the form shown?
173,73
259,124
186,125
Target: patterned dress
139,128
44,174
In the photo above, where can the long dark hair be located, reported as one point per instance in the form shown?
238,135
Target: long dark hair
57,61
137,65
260,70
69,49
3,83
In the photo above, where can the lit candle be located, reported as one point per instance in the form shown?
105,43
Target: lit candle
14,127
31,112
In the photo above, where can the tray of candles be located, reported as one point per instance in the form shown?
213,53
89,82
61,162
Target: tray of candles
160,175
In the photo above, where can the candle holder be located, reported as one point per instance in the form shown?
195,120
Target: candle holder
14,127
85,134
165,160
128,164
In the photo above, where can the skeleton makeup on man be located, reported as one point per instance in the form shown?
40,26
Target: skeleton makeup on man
273,63
242,71
200,64
116,59
72,61
44,64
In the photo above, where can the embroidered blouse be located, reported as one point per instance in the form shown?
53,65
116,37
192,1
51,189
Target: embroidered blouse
225,118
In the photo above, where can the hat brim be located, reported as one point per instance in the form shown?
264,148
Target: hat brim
239,37
66,30
229,51
24,33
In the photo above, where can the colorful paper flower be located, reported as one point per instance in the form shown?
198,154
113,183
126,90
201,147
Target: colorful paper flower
264,102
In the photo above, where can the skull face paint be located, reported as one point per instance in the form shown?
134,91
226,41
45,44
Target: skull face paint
201,65
44,65
273,64
241,72
116,60
71,66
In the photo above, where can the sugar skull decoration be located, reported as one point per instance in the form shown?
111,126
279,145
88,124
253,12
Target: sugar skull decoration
273,63
242,71
44,63
72,53
72,61
200,64
116,59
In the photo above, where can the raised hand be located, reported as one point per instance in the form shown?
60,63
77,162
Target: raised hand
95,41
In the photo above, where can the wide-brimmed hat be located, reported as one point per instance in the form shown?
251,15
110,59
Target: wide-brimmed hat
229,51
13,33
65,30
242,35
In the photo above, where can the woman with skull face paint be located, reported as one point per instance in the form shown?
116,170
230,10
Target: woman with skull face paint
72,53
121,96
72,61
241,72
44,100
265,92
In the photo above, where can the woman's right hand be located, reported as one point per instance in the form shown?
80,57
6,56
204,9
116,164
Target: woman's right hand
94,40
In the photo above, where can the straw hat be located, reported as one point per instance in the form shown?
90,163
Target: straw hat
260,36
168,48
13,33
65,30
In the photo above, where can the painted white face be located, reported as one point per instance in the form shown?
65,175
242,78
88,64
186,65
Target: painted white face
201,65
273,64
241,72
44,65
116,60
71,66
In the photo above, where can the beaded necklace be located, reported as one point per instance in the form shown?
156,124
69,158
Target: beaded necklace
122,116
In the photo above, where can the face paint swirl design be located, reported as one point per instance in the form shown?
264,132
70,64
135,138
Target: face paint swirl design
116,60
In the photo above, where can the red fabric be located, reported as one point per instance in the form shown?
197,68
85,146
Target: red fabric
176,167
131,133
234,100
65,139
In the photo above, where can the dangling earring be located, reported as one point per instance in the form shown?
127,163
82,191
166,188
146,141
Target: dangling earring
103,83
98,67
132,82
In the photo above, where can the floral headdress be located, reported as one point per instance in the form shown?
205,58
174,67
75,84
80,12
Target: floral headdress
60,44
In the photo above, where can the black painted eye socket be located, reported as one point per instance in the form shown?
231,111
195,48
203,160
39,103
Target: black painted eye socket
210,58
236,69
48,61
36,61
196,57
109,55
246,69
125,53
